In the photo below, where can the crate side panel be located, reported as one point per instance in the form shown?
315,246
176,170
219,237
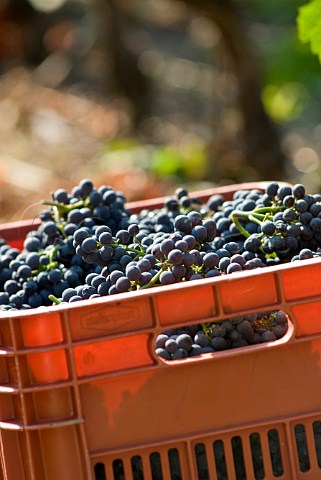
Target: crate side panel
62,454
244,293
302,281
94,320
183,305
48,367
112,355
16,464
268,383
43,329
53,404
308,318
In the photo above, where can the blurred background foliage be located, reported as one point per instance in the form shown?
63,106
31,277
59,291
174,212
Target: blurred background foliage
150,94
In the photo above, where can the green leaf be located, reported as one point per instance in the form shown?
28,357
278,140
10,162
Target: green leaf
309,26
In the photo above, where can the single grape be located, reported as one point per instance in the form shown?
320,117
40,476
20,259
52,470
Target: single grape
280,317
233,267
201,339
68,294
315,224
89,245
133,272
272,189
55,275
218,343
210,260
213,272
244,328
179,354
123,284
299,190
218,330
85,186
182,245
183,223
166,246
167,278
195,218
288,201
171,345
280,330
161,340
195,276
224,263
283,192
268,227
195,350
184,341
305,254
289,215
268,336
175,256
252,243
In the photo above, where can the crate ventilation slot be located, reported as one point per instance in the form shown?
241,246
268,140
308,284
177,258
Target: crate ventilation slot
308,444
217,459
240,457
155,467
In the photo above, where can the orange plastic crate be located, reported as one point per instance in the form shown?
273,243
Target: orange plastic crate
84,396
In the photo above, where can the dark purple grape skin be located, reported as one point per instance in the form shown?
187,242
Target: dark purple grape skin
272,189
123,284
298,190
167,278
184,341
89,245
233,267
175,256
210,260
183,223
305,254
268,227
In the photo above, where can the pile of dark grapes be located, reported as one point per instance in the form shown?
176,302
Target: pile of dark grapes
234,332
89,245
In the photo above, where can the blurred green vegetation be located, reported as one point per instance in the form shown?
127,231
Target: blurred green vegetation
309,26
291,74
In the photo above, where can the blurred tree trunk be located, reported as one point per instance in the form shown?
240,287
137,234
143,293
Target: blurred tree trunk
259,137
258,144
127,80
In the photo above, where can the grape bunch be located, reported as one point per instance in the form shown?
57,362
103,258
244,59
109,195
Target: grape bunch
287,219
235,332
89,245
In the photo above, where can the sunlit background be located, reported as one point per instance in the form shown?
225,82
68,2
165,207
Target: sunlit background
145,96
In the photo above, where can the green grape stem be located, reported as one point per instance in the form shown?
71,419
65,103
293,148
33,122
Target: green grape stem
206,327
258,216
54,299
139,253
153,280
61,209
235,219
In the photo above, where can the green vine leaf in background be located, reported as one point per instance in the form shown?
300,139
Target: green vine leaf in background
309,25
